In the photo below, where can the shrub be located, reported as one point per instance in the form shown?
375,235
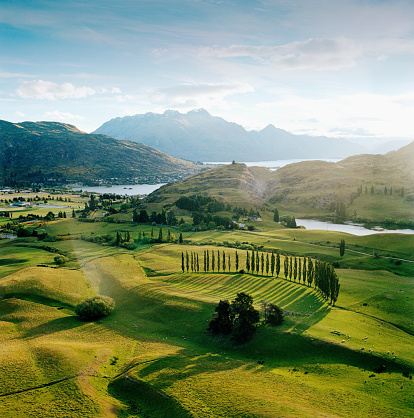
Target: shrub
60,259
95,308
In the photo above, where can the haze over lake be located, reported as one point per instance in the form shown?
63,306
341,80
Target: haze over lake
354,229
275,164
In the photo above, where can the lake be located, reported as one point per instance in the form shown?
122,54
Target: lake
122,189
274,165
135,189
354,229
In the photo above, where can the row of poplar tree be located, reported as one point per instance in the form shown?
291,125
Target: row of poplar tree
309,271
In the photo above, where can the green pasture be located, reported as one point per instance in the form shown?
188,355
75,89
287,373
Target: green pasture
152,355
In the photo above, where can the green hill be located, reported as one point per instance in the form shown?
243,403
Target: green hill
373,186
35,152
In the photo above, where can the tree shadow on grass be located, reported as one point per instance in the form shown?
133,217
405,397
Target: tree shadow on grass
51,327
144,387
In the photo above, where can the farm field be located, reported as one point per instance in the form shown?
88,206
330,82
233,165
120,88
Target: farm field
152,355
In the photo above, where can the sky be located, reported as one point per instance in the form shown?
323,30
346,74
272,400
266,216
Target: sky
340,68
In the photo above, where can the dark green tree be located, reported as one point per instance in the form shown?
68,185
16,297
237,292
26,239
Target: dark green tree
342,248
310,271
237,262
182,262
246,318
222,321
277,264
295,269
267,263
274,314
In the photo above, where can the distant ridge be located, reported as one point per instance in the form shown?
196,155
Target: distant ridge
39,152
199,136
309,186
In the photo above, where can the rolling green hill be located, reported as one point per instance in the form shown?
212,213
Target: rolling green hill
33,152
374,186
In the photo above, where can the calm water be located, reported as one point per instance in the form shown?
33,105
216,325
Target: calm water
123,189
274,165
348,228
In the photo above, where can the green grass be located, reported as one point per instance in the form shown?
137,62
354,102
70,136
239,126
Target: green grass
306,367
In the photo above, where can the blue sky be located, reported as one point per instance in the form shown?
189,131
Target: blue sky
320,67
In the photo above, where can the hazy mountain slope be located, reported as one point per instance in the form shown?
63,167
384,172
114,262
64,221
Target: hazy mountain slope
318,183
198,136
34,152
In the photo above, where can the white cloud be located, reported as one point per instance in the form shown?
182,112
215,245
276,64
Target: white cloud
39,89
56,115
20,114
196,95
314,54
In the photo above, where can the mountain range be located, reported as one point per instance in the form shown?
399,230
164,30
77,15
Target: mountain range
39,152
199,136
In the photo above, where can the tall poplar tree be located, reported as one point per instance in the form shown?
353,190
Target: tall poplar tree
237,262
277,264
295,269
310,271
342,248
286,267
304,271
272,263
267,263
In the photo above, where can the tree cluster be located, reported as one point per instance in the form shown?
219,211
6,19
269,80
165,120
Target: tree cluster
161,218
199,203
237,319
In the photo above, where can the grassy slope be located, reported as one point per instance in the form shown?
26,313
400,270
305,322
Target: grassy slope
308,188
162,318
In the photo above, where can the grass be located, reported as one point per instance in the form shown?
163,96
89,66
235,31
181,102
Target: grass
156,334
